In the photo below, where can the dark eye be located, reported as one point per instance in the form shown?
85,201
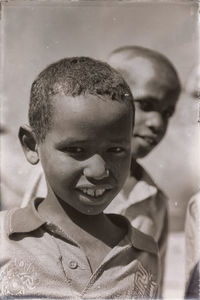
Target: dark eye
73,150
168,113
145,105
116,150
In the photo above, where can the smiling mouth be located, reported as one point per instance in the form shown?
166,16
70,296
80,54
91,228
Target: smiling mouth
93,192
148,139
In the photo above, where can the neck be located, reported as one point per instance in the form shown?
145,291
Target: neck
132,179
136,170
80,227
62,214
86,222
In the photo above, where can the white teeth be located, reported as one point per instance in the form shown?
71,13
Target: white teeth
93,192
90,192
100,192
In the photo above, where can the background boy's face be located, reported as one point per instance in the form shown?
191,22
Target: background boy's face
154,104
88,136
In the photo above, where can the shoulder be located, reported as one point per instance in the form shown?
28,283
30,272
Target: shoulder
3,213
194,203
4,221
193,213
21,219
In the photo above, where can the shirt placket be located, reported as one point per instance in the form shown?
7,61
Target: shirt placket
94,282
74,262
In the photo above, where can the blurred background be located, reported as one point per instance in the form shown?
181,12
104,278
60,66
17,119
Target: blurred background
36,33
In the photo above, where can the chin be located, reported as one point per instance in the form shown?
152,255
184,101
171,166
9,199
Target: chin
141,152
91,206
142,155
90,211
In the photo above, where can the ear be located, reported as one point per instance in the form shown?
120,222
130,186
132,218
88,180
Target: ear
29,144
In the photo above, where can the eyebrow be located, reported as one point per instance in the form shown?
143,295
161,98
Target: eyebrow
71,140
115,141
146,98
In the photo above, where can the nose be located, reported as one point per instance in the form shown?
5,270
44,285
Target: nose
156,122
95,168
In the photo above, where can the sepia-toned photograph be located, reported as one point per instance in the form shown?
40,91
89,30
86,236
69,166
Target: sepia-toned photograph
100,149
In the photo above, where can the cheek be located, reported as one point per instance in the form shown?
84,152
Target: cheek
121,168
140,118
66,170
165,125
164,129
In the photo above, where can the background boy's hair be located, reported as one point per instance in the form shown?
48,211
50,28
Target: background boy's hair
73,76
121,57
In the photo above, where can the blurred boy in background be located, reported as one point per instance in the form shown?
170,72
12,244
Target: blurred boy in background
192,245
156,87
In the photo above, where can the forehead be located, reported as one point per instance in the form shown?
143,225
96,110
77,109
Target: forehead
89,112
146,77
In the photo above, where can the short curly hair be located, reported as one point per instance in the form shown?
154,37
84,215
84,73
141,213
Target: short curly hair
73,76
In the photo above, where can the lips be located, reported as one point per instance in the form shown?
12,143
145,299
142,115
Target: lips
93,192
151,140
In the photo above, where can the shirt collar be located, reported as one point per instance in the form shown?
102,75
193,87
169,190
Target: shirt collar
138,239
27,219
145,186
142,190
24,219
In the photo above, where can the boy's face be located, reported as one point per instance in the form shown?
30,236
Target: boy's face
154,104
86,153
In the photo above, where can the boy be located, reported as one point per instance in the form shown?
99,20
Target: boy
81,119
192,245
156,88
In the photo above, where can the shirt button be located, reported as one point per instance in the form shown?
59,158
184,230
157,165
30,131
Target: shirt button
73,264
